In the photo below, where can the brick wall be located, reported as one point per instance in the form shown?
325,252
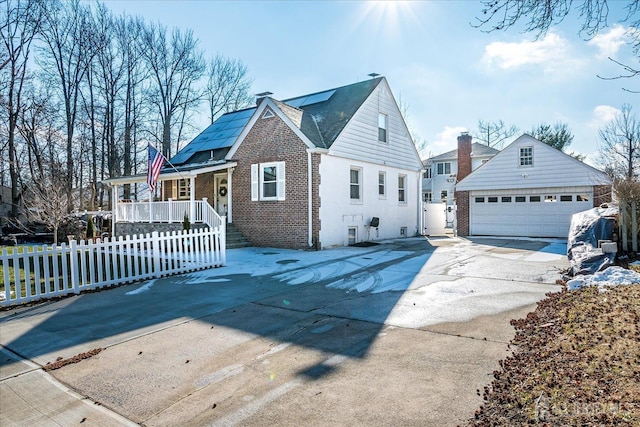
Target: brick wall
601,194
315,160
464,156
462,214
274,223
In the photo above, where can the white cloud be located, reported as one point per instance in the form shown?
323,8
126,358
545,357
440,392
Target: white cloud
551,52
602,115
609,43
446,140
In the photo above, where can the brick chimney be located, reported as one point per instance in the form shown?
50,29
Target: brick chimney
464,156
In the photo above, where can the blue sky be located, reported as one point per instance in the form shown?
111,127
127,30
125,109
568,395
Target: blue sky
446,72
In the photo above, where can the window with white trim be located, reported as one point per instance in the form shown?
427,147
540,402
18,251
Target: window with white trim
526,156
427,196
427,173
444,168
382,178
402,188
382,127
355,184
444,195
268,181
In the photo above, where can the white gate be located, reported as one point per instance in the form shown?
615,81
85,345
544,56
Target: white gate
434,218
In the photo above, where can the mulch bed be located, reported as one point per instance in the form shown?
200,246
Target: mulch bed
575,362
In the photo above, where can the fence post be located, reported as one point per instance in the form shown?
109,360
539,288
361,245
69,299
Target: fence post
623,225
223,241
73,255
634,226
155,252
170,205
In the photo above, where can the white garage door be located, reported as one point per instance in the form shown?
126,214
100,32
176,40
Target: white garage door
534,214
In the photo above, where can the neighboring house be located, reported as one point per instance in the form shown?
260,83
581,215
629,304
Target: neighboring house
439,177
307,172
528,189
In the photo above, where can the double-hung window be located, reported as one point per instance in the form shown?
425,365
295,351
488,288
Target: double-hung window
382,127
444,168
402,188
268,181
355,184
382,177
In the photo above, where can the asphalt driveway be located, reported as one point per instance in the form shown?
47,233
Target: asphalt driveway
402,333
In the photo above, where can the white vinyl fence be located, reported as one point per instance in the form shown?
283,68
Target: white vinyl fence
45,272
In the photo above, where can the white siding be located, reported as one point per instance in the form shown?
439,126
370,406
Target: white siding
338,212
359,139
551,168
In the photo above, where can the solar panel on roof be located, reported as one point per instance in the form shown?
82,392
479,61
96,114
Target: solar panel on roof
222,133
310,99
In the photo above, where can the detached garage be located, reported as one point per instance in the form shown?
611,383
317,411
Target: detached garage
529,189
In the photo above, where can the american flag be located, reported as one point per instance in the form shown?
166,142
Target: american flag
156,161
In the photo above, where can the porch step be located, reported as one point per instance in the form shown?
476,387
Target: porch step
235,239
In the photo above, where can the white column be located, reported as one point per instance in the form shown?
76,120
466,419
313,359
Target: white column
229,193
192,199
114,208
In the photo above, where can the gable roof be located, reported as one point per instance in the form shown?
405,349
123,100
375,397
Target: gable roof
477,150
321,116
551,168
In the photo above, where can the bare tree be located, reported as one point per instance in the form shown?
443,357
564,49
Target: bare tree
46,203
70,44
228,87
129,33
175,64
21,22
620,148
493,134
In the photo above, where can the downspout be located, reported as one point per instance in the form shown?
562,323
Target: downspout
229,192
420,202
310,198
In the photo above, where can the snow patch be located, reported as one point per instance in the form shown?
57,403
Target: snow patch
143,288
612,276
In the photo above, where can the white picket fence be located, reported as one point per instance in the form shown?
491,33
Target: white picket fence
50,271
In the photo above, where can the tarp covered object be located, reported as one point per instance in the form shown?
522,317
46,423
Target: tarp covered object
587,228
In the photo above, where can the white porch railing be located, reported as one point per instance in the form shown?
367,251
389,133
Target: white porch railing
51,271
170,211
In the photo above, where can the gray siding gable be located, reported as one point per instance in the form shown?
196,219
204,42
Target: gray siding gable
359,138
551,168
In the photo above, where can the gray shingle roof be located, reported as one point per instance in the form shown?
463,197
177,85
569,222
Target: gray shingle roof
324,115
477,150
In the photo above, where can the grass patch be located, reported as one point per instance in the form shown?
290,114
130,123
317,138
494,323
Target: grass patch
576,363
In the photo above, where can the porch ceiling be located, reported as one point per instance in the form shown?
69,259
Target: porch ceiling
168,176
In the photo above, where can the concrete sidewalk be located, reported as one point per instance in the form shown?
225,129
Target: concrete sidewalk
31,397
402,333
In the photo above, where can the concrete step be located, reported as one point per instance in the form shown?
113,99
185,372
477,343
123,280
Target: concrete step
235,239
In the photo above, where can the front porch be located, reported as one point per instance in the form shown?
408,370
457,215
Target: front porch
200,193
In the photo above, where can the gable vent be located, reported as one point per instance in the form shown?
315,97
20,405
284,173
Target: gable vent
268,114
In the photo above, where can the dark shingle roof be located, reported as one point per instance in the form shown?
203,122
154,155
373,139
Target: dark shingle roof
324,115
